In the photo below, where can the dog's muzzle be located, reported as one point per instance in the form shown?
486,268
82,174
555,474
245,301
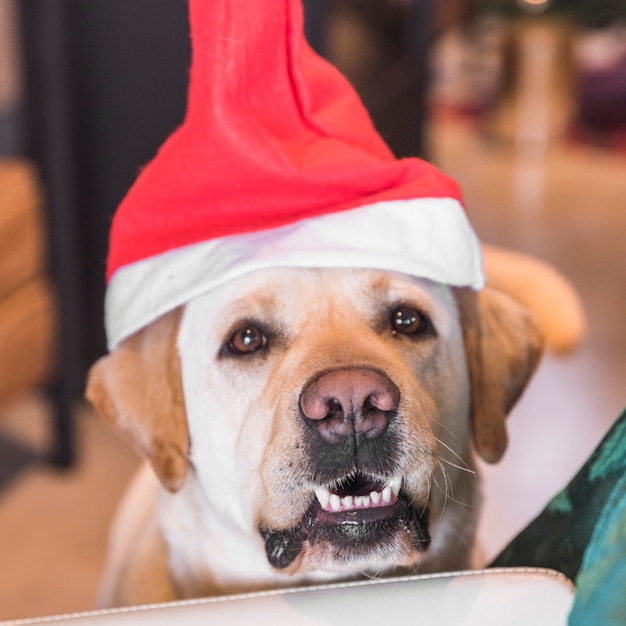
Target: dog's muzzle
353,526
350,431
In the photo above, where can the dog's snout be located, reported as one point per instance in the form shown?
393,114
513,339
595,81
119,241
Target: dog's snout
352,401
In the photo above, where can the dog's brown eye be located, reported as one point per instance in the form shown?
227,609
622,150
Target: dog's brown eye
246,340
409,321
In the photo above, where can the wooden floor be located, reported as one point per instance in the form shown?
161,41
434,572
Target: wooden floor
566,204
53,524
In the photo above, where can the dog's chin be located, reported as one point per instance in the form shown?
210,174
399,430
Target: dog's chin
348,539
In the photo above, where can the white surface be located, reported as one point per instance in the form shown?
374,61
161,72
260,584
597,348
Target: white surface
492,597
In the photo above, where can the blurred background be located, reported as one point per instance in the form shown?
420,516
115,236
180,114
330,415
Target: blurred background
523,102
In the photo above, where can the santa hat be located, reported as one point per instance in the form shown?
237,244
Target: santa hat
276,164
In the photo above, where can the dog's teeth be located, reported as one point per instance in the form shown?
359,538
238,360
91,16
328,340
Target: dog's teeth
323,495
362,502
387,495
334,503
394,484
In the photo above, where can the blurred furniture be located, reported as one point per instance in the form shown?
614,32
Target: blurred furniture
105,83
382,47
27,307
28,317
536,105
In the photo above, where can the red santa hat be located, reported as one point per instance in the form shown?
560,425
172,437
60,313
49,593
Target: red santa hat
277,163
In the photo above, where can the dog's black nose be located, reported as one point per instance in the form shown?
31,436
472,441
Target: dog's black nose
347,402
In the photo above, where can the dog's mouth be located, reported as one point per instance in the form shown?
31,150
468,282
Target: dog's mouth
359,493
357,518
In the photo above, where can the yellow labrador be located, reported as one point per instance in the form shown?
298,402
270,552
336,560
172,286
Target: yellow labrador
308,425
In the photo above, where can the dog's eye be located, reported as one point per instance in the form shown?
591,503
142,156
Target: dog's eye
246,340
409,321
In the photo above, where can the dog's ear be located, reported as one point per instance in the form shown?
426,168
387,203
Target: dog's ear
503,346
137,388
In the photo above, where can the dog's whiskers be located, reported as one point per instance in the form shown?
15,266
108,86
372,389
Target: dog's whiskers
444,427
465,467
372,575
443,491
449,494
459,467
428,492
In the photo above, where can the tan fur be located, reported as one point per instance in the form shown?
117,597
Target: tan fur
503,347
137,569
231,453
137,389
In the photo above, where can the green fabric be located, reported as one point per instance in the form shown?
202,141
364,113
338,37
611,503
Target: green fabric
601,582
582,533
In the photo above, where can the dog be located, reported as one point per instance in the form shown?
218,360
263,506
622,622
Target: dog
308,425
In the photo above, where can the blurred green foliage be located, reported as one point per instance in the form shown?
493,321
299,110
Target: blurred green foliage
589,13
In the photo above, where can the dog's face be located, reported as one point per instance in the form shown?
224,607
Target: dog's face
326,414
321,399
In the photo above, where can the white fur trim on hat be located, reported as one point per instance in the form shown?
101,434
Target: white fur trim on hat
423,237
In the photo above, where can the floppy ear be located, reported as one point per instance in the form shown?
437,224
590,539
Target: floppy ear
137,388
503,347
